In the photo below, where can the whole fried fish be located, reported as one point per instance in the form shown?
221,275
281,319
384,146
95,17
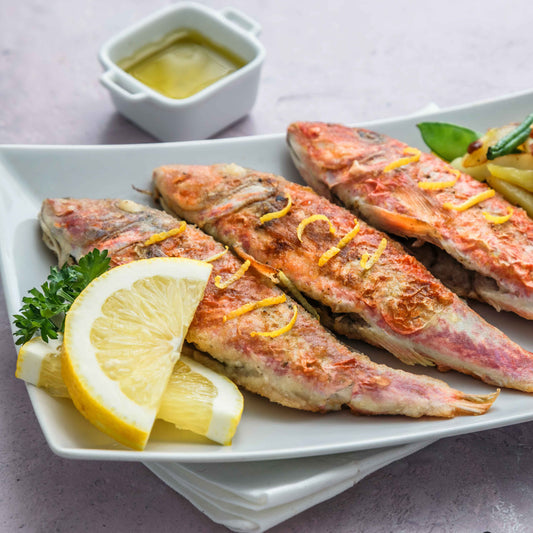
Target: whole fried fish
305,368
423,197
395,303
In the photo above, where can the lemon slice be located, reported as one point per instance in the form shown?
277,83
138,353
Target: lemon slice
196,398
123,335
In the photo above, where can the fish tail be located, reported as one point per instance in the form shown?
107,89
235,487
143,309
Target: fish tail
474,404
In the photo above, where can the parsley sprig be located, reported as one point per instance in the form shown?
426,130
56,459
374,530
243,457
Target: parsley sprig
44,309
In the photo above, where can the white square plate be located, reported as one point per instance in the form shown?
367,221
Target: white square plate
28,174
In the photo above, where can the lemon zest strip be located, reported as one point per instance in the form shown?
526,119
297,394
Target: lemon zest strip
158,237
498,219
246,308
277,214
434,185
334,250
327,255
455,171
349,236
368,262
280,331
216,256
413,153
313,218
219,284
485,195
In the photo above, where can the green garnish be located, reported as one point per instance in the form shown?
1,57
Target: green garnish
512,140
44,310
448,141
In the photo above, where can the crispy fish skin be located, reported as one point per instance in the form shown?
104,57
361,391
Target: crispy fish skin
403,307
306,368
349,164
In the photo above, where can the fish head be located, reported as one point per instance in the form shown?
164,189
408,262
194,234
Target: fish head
72,227
346,164
202,194
334,146
324,153
181,188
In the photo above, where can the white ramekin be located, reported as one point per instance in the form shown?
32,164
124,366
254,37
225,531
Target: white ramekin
206,112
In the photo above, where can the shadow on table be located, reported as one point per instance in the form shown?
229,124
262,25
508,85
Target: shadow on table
120,130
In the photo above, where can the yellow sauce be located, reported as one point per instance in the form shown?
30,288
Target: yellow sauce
181,64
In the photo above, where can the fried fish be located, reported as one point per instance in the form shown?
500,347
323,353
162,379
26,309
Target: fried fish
477,243
378,292
303,366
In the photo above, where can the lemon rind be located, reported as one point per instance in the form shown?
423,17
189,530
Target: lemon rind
227,405
31,356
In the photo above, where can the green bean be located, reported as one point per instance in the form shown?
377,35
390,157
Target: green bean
448,141
507,144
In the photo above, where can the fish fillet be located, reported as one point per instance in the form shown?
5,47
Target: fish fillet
396,304
353,166
305,368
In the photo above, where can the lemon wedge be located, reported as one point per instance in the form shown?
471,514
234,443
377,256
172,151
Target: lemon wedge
201,400
196,398
39,363
123,336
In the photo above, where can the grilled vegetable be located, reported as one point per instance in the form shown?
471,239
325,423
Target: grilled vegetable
512,140
514,194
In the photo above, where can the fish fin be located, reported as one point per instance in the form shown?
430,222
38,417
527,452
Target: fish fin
412,357
278,277
405,354
266,270
475,404
398,223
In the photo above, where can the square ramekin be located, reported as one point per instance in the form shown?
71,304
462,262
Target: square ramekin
206,112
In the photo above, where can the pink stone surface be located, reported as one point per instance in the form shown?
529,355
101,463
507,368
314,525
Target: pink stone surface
336,61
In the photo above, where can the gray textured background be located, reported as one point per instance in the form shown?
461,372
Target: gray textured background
345,61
